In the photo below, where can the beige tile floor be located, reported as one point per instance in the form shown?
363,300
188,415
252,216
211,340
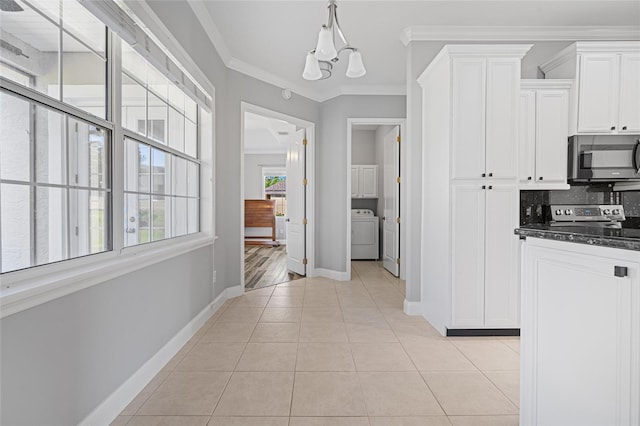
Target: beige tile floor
318,352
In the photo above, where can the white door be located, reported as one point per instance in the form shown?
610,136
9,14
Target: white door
390,225
552,128
296,191
629,120
501,257
527,136
598,87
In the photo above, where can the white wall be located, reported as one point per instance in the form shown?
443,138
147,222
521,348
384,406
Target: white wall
253,164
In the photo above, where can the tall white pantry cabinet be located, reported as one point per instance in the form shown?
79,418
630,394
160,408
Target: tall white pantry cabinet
470,173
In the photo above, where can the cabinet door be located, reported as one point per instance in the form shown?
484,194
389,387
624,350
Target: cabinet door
501,140
468,103
501,247
577,340
552,128
598,93
629,116
527,136
369,181
355,181
467,273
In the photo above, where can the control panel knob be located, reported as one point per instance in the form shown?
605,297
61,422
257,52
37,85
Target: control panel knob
616,211
559,212
568,212
606,211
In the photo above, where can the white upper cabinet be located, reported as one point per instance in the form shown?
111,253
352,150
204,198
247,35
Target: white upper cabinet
364,181
606,99
543,133
485,111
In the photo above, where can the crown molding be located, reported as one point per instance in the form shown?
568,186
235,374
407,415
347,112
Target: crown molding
552,83
364,90
517,33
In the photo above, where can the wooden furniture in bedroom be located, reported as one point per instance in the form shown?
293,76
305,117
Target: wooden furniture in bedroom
260,214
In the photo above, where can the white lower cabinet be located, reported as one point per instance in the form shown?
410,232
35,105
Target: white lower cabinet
580,343
485,283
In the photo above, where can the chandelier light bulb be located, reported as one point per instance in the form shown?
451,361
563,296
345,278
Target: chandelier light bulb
325,50
356,67
311,68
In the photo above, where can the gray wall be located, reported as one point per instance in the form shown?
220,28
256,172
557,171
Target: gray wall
419,55
61,359
363,147
253,163
331,170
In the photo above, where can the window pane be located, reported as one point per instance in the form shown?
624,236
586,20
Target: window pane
51,225
179,176
160,225
157,118
133,63
81,23
50,149
14,138
144,168
84,77
176,130
194,213
191,109
176,97
157,83
15,210
143,219
179,216
87,154
191,138
87,219
134,105
30,44
194,180
161,171
132,230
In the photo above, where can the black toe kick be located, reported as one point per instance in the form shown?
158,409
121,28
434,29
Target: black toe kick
467,332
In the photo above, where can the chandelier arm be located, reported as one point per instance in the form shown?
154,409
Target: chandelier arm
340,33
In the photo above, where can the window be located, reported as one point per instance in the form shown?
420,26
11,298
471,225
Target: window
57,153
161,167
58,48
54,185
275,188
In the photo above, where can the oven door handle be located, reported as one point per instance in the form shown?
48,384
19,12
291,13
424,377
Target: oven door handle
636,160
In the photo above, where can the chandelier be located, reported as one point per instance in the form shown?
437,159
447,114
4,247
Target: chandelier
320,60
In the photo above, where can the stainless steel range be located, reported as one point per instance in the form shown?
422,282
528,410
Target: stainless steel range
589,215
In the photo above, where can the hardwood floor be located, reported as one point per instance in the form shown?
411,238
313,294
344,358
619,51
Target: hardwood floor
265,266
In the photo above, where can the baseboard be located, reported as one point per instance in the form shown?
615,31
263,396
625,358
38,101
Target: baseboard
412,308
466,332
113,405
331,274
234,291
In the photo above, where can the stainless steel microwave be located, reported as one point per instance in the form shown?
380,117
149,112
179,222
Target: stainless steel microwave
604,158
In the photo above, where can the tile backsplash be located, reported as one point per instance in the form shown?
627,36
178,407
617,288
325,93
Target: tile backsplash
531,202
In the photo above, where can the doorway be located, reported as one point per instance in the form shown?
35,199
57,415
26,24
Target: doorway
277,197
374,192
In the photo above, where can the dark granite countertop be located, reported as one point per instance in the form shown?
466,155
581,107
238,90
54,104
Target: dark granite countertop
625,238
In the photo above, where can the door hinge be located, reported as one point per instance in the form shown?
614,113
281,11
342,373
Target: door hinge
304,261
76,126
304,221
77,231
398,261
398,138
304,142
304,182
397,220
398,179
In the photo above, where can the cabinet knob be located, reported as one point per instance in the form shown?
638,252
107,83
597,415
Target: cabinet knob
484,187
620,271
624,127
613,127
484,175
540,178
490,187
490,174
529,178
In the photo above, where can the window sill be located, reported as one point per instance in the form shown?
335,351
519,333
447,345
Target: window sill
25,289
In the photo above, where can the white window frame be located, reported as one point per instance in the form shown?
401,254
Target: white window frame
24,289
271,171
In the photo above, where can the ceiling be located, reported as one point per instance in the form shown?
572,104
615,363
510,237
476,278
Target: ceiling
269,39
265,135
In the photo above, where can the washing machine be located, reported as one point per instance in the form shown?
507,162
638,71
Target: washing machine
364,235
